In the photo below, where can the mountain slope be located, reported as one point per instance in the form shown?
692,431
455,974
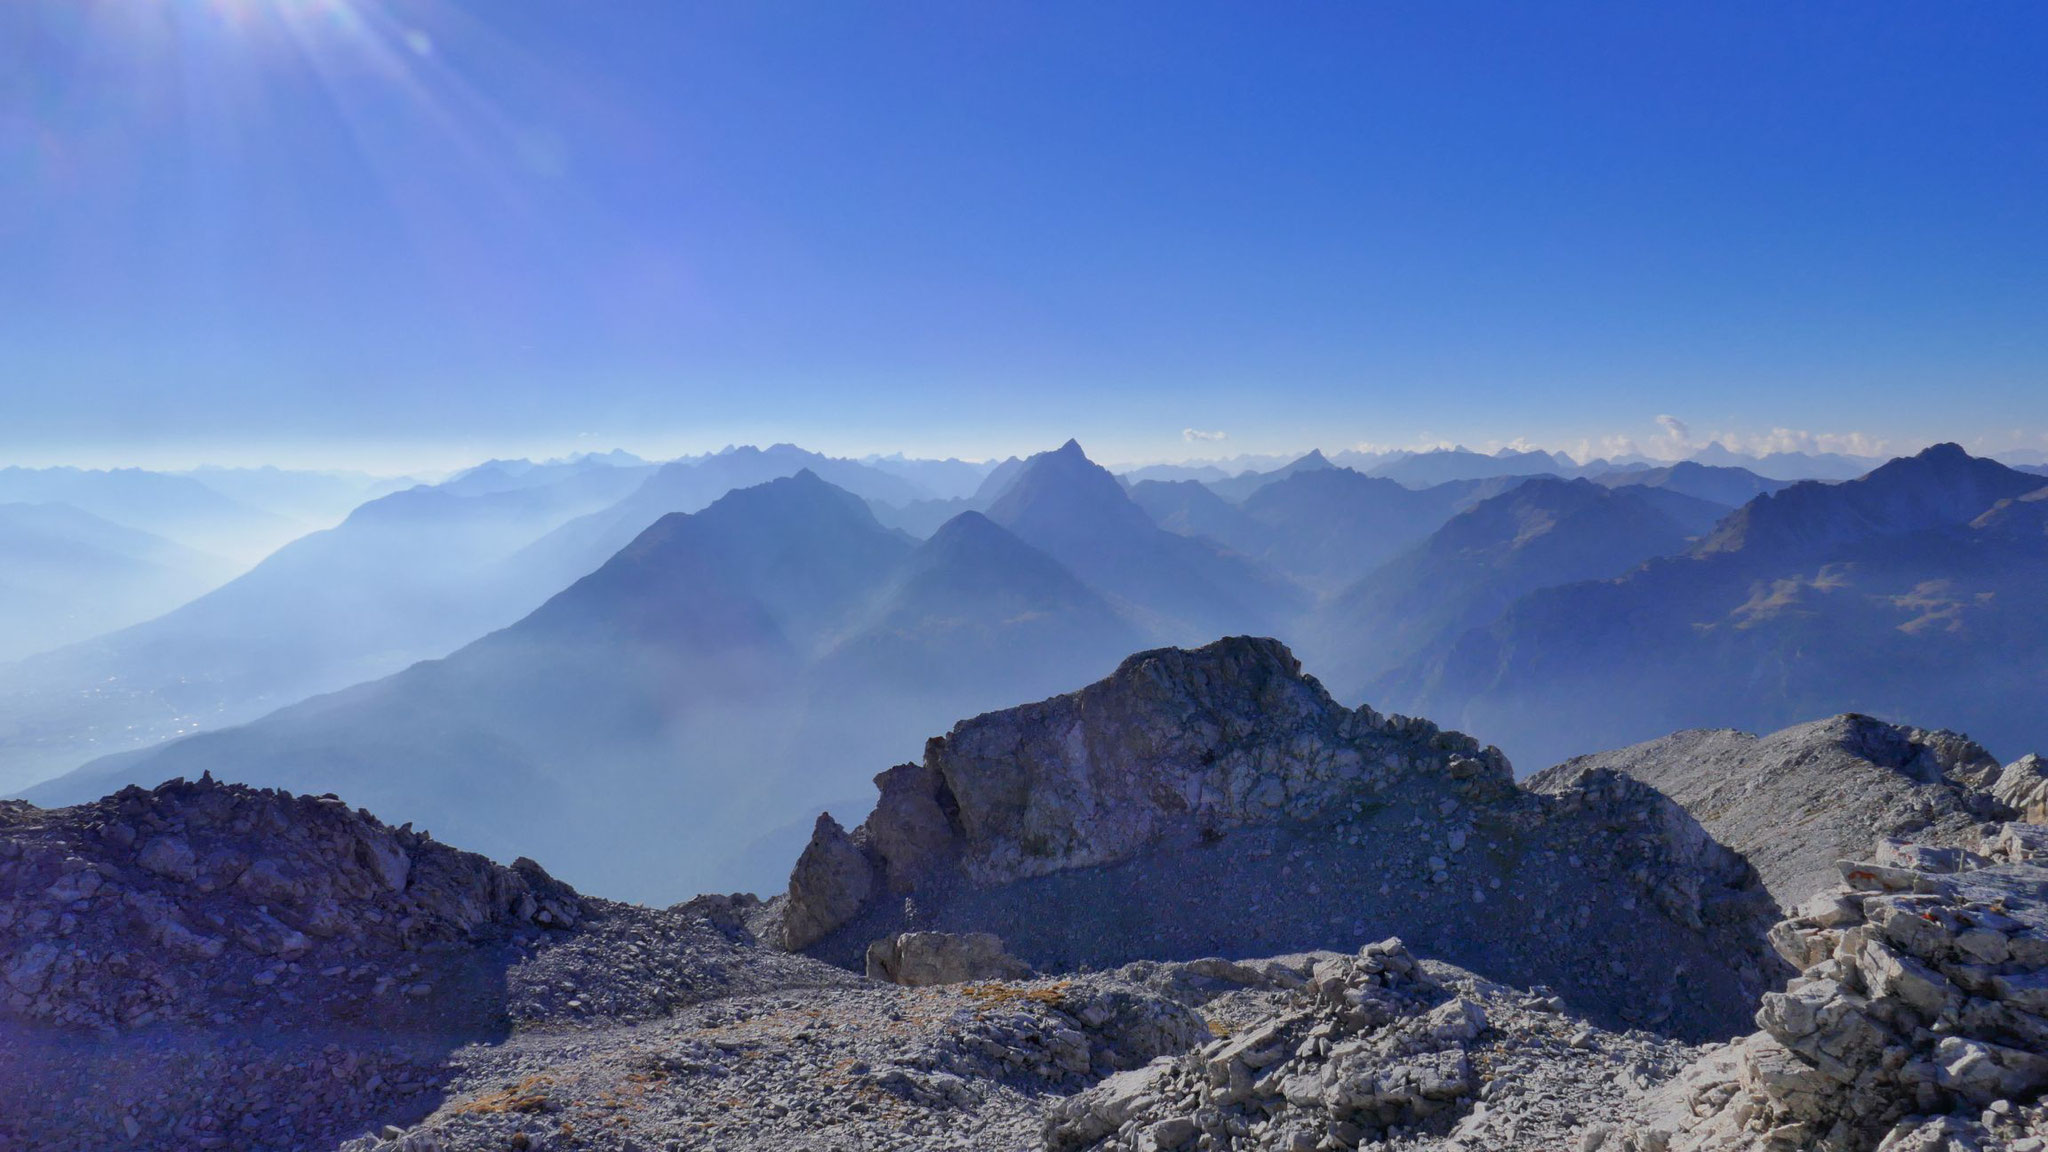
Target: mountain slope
66,575
1192,508
579,546
175,507
1328,527
609,718
976,611
1919,589
1722,485
405,577
1174,586
1797,801
1236,488
1543,532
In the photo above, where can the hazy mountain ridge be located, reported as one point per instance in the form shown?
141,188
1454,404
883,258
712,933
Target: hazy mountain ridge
1075,511
782,619
1540,533
1898,594
66,575
404,577
179,508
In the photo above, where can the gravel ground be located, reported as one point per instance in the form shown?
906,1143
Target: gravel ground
868,1066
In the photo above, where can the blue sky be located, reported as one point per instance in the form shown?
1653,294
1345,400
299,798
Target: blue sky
417,231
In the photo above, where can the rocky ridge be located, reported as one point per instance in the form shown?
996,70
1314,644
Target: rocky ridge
1561,955
1796,801
1145,815
213,966
146,906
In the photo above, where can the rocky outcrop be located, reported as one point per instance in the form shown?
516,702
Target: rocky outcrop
1796,801
1217,800
922,959
195,899
2023,787
1919,1019
206,966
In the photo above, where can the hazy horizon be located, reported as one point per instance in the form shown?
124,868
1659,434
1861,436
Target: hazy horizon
434,464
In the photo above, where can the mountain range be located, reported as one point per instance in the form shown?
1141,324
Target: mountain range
1916,588
779,622
514,660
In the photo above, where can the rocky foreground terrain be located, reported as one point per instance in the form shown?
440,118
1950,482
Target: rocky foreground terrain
1196,906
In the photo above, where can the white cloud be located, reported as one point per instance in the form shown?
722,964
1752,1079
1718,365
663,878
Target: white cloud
1800,440
1197,436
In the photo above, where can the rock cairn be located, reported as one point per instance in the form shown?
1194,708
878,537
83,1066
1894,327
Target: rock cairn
1919,1020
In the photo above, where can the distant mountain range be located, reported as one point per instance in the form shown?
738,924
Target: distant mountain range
1540,533
1236,478
538,657
406,577
1919,589
177,508
782,629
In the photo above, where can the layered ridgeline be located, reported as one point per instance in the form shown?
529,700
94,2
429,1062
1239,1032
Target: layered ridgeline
1920,589
603,730
1541,533
410,576
1323,527
405,577
66,574
1227,900
178,508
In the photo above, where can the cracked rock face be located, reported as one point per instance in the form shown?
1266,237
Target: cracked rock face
1919,1019
1217,801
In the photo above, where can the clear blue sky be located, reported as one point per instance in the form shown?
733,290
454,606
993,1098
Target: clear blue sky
431,228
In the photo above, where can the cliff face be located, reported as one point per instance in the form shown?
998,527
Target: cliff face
1217,800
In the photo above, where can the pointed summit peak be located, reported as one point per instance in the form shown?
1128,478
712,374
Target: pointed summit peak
1065,483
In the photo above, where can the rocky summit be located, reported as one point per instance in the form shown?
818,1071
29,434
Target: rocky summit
1218,801
1197,906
